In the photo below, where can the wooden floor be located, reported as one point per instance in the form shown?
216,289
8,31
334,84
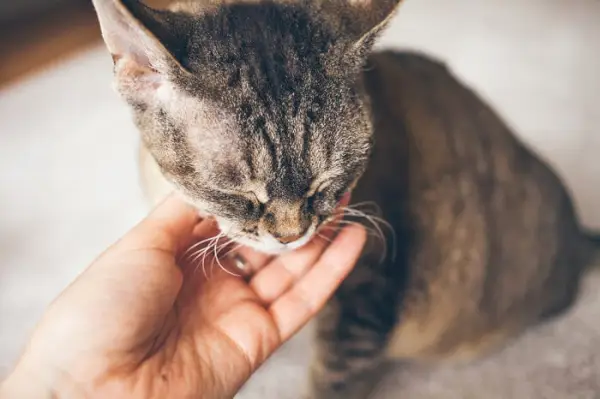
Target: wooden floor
29,45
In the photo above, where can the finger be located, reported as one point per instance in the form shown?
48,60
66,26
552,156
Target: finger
345,200
283,271
206,228
308,296
252,260
168,227
132,282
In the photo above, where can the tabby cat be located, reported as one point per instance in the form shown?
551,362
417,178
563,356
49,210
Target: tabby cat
264,114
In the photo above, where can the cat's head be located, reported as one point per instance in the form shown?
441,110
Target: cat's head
254,111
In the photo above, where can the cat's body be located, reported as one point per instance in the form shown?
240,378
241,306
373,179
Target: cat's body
488,241
486,237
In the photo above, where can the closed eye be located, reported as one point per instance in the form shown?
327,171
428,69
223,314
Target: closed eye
254,206
252,230
234,204
259,195
318,186
314,200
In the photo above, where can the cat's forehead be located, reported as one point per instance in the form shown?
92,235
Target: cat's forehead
244,29
220,144
267,49
260,112
261,148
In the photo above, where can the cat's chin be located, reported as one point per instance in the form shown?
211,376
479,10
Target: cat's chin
272,247
265,248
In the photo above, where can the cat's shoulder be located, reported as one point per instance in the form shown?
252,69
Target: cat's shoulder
410,60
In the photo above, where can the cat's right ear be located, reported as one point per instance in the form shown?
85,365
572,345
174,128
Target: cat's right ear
143,44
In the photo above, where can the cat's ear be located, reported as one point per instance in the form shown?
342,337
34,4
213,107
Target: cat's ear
363,20
143,42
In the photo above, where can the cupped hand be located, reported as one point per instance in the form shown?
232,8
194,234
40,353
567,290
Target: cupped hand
143,321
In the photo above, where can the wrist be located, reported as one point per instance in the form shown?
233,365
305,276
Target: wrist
24,384
35,380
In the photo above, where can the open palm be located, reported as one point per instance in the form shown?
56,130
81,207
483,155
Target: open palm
143,321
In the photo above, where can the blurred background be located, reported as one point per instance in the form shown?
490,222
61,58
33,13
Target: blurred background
68,179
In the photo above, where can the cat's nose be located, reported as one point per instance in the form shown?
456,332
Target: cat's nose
289,238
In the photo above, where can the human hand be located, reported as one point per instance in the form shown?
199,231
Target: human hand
142,323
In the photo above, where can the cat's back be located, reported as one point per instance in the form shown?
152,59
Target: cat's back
494,234
443,132
438,113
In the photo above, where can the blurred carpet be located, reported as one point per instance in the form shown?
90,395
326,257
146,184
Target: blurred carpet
69,185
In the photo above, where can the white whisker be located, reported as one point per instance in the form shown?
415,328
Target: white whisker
201,254
208,245
376,222
365,204
324,237
195,246
216,259
370,231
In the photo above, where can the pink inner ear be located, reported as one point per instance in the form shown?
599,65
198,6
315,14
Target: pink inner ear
132,69
135,78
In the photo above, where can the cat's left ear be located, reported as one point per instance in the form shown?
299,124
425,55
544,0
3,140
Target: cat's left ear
362,20
370,18
145,44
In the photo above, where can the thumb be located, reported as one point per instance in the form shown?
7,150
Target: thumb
167,228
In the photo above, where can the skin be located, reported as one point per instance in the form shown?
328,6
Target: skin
139,323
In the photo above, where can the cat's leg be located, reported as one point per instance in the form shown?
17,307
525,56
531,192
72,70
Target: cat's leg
352,334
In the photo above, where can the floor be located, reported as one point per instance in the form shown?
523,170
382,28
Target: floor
68,184
37,41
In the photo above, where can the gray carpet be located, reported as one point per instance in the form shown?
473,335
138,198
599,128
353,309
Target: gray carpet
537,61
555,361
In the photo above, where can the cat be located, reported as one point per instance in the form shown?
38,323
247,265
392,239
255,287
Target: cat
265,114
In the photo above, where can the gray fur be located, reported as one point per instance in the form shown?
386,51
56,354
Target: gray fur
262,115
245,107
